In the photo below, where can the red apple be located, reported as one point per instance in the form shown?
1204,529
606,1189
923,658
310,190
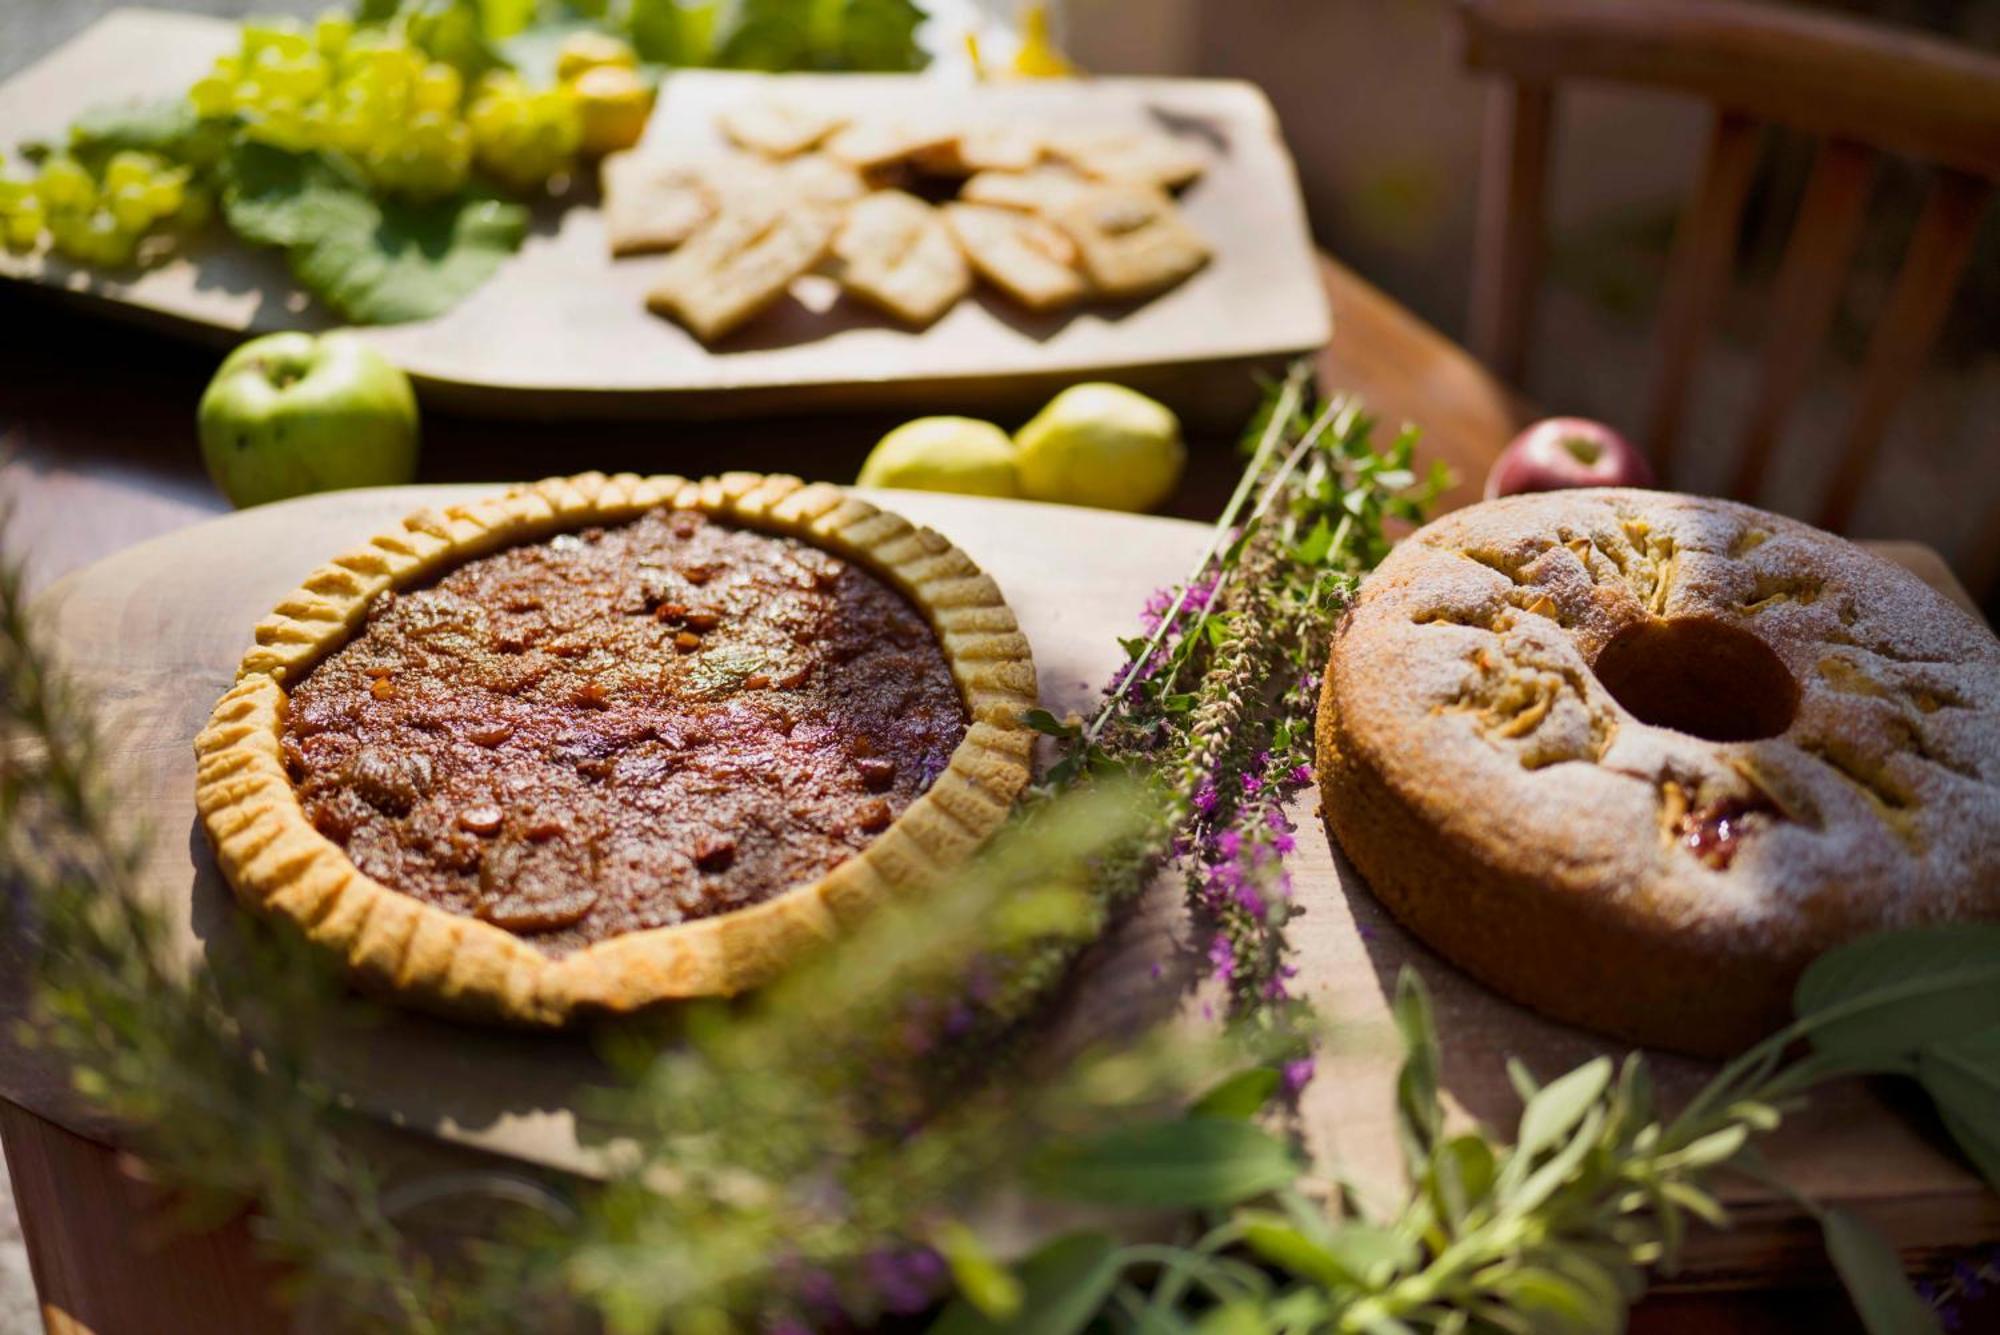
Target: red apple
1562,452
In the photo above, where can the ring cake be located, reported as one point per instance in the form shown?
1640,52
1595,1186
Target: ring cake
1634,759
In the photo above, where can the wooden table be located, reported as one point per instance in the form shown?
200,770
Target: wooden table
100,423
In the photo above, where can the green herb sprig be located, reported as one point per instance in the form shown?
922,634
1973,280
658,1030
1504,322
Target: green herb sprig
1558,1230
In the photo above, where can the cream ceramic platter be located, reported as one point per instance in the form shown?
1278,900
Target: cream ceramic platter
562,327
157,629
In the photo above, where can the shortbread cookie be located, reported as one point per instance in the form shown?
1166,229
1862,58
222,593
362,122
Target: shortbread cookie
819,179
1149,156
1026,257
895,251
652,205
1037,190
741,263
1131,239
776,128
988,147
871,146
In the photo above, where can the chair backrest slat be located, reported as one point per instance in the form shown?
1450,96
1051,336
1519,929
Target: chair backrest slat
1862,89
1808,293
1903,336
1698,276
1899,90
1507,245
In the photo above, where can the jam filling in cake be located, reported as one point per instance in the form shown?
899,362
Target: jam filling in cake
623,728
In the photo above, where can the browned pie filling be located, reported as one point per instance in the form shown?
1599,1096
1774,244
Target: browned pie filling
623,728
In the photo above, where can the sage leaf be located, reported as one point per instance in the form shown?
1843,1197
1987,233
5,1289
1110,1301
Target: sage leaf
1461,1177
1610,1287
1196,1163
1553,1303
1042,721
1696,1202
981,1280
1419,1118
1542,1183
1061,1287
1312,549
1707,1151
1372,1252
1522,1079
1871,1004
1560,1105
1277,1241
1235,1319
1874,1278
1353,1255
1962,1077
1241,1096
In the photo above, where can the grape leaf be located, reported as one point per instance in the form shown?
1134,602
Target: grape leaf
166,126
374,261
1552,1113
771,35
823,34
881,35
673,32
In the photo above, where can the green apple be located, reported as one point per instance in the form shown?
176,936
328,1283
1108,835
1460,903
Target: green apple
290,414
961,454
1102,445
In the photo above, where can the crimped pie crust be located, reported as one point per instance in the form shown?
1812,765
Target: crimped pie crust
1508,809
280,865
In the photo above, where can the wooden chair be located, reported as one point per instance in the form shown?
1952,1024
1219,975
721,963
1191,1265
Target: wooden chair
1860,89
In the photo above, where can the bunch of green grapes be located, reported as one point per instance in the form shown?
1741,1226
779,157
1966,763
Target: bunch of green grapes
370,95
523,136
99,219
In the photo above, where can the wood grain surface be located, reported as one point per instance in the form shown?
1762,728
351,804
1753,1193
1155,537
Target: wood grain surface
157,630
562,327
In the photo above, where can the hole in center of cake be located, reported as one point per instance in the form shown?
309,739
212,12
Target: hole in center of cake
1699,676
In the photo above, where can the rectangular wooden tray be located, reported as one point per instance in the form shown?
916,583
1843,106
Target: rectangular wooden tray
562,327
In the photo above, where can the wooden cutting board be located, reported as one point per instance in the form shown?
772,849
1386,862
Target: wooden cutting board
156,631
562,327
